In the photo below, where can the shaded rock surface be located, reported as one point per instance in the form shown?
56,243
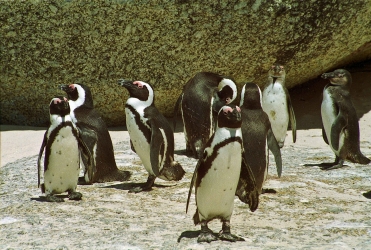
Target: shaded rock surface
165,43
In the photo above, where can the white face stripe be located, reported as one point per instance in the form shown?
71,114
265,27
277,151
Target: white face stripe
261,97
231,84
135,102
80,101
242,95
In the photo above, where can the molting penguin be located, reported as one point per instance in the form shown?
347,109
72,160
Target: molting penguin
340,127
62,157
217,174
151,136
277,104
202,97
95,134
257,137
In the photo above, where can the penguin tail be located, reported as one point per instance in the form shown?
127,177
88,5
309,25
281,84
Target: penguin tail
173,173
196,218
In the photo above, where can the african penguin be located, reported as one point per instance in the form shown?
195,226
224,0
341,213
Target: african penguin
95,134
340,127
217,174
201,99
150,135
62,156
257,136
276,103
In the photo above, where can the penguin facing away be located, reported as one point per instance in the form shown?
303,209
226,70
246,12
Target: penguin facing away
217,174
201,99
340,129
276,103
151,136
62,142
257,137
95,134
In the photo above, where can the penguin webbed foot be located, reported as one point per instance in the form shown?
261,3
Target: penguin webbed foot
76,196
146,187
229,237
206,235
332,165
53,198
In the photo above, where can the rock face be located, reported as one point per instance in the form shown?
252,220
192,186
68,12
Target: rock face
46,43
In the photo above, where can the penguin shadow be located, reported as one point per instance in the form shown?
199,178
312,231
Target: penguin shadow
43,198
191,235
322,166
128,186
367,195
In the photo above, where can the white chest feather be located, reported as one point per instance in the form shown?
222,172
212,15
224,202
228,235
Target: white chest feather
64,163
215,195
275,105
329,114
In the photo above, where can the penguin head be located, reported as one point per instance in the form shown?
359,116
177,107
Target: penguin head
277,70
78,93
227,91
229,116
59,106
140,90
251,96
339,77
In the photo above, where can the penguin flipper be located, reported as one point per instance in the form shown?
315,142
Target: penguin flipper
291,117
176,109
89,138
194,177
39,159
275,149
86,153
247,190
324,134
337,127
157,142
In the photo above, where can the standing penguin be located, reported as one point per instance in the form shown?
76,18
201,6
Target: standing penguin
151,136
202,97
217,174
257,136
277,104
95,134
62,156
340,127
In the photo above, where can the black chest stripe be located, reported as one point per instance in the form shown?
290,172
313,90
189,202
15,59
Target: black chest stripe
143,128
274,79
209,160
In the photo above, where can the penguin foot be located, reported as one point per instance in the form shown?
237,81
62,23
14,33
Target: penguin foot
367,195
229,237
146,187
76,196
268,191
52,198
324,167
206,237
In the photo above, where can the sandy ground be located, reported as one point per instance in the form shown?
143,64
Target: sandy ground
313,209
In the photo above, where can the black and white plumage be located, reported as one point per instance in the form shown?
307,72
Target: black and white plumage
201,99
62,143
217,174
95,134
151,136
257,137
340,127
276,103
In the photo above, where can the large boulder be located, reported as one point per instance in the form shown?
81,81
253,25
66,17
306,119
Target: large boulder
46,43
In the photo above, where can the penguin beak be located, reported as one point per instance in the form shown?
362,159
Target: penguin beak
328,75
64,87
125,83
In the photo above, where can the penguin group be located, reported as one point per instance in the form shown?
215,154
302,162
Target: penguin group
231,143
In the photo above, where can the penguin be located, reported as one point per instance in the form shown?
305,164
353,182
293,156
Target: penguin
277,104
61,142
201,99
257,137
217,174
95,134
151,136
340,129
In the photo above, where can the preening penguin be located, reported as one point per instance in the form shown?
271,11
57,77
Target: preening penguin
340,127
62,142
276,103
151,136
95,134
201,99
217,174
257,137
